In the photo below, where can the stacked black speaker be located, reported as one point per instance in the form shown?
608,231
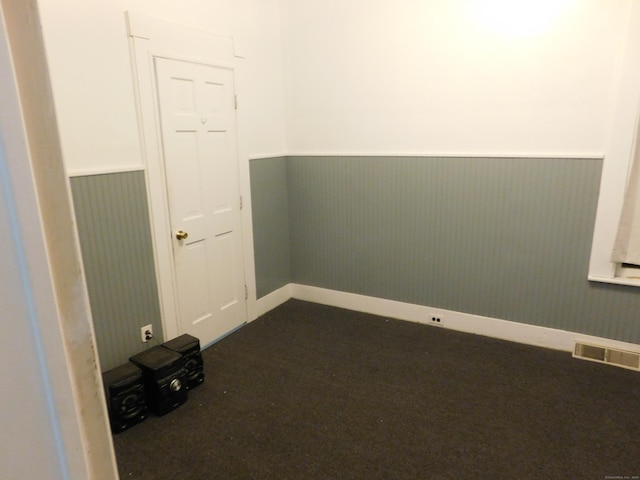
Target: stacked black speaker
126,396
189,348
156,380
164,378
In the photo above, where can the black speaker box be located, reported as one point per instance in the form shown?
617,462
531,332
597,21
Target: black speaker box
189,348
164,378
126,399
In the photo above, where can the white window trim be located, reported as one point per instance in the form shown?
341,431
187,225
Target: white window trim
619,152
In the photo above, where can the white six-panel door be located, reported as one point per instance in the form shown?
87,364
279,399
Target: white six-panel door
197,116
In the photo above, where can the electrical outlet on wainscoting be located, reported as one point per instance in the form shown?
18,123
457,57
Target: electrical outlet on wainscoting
146,333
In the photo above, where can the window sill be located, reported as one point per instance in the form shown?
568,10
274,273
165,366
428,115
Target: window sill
630,282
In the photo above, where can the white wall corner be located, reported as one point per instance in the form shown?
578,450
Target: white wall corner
271,301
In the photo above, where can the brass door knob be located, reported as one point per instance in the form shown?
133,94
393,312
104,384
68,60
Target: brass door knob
181,235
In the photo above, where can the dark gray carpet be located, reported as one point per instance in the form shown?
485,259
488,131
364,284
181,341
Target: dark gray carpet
315,392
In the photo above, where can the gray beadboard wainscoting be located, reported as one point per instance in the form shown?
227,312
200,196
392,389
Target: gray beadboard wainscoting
507,238
270,214
115,238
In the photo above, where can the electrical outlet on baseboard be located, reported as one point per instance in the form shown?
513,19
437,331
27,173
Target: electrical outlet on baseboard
436,319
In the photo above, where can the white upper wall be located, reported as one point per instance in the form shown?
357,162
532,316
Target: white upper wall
443,76
88,54
338,76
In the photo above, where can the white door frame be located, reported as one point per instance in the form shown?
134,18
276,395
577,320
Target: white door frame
150,38
55,415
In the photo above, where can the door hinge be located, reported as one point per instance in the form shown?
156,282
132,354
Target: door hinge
241,204
246,293
235,102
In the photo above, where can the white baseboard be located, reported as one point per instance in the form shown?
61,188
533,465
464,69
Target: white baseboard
463,322
272,300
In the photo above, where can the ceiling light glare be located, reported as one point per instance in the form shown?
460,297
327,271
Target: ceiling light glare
516,18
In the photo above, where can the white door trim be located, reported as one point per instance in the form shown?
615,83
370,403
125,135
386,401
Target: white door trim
150,38
56,399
